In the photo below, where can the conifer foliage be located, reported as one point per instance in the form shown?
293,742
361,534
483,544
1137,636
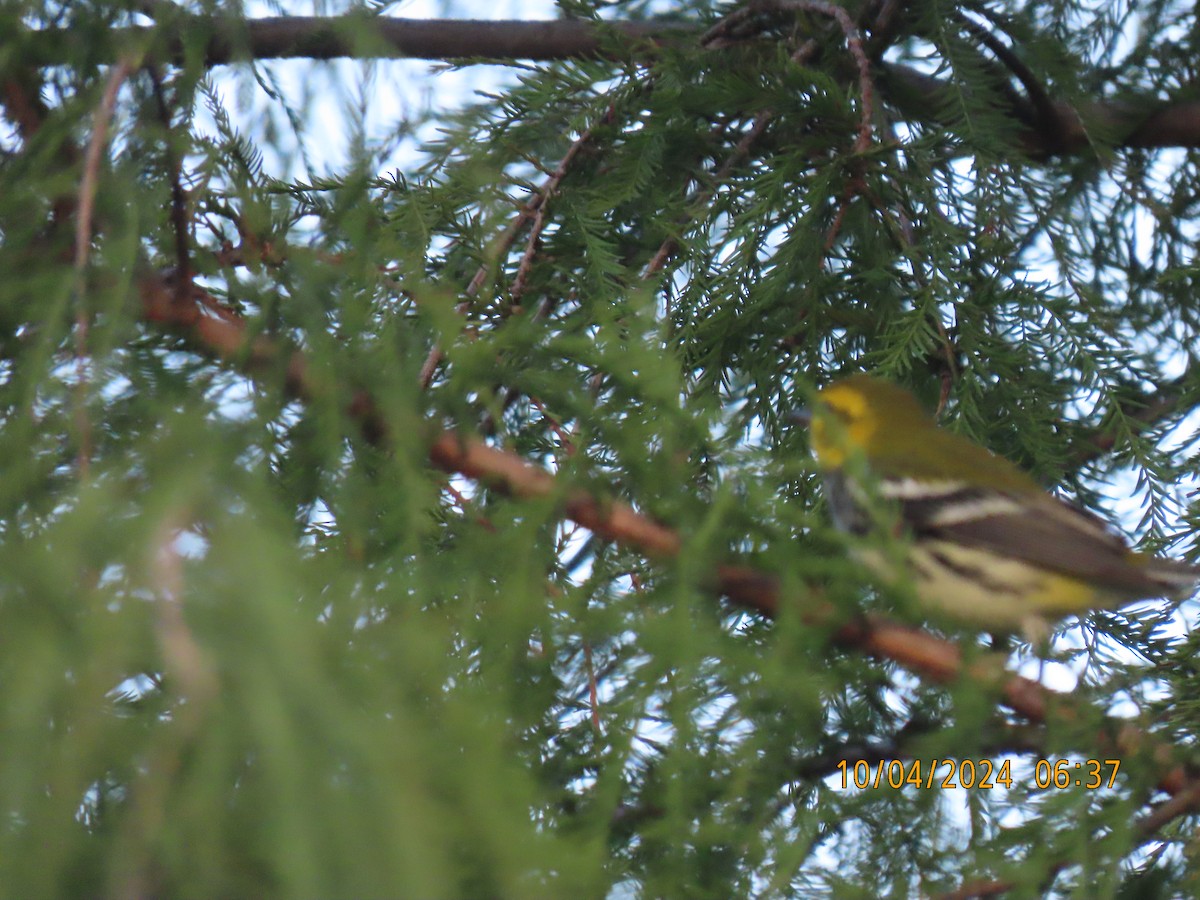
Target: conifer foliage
431,528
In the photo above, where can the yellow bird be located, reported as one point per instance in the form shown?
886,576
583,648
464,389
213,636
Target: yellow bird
985,544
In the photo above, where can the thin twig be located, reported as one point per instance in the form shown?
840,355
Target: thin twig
803,54
179,217
671,245
193,679
91,166
530,212
1045,111
884,28
464,504
593,691
83,242
548,189
854,44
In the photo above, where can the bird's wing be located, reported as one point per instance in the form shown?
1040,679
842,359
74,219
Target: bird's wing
1038,529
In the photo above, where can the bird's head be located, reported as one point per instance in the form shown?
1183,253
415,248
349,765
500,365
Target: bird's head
862,414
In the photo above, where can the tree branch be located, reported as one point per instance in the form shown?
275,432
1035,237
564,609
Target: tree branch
1146,122
935,658
374,37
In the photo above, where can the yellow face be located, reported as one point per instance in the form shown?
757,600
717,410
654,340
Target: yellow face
842,419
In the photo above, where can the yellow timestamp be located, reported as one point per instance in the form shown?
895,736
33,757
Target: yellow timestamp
982,774
1084,773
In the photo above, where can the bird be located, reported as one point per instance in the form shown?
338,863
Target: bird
981,542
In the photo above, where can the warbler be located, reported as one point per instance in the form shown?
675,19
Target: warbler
985,544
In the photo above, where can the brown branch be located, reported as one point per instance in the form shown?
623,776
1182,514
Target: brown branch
194,678
980,889
227,338
179,217
22,99
83,245
24,105
1046,114
593,688
935,658
1185,801
548,189
376,37
854,44
231,341
91,165
1138,122
885,26
465,505
1146,123
612,520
